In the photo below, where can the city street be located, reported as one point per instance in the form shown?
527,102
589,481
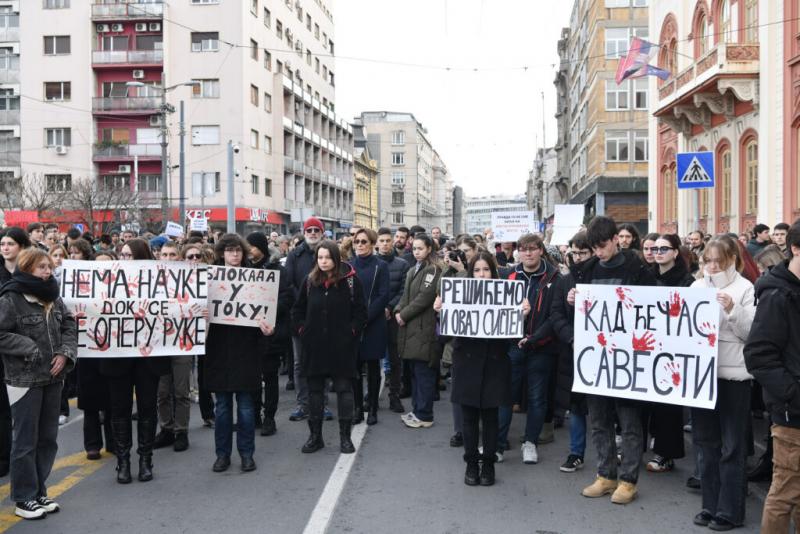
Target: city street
400,480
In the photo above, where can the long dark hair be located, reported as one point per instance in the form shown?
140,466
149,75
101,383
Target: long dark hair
317,276
486,256
139,248
675,242
431,244
231,240
636,242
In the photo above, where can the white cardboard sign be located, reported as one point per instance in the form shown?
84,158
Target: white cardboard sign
508,226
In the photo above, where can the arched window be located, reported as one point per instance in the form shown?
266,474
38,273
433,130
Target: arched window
724,33
725,182
702,36
750,21
667,58
670,188
751,176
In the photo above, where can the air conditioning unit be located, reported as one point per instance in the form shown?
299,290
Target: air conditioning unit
116,27
155,26
61,150
124,168
155,120
138,74
298,46
141,26
102,28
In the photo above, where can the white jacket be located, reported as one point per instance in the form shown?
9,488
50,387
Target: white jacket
734,327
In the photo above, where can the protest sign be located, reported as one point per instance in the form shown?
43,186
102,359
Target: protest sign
242,296
654,344
508,226
136,308
173,229
199,224
484,308
567,222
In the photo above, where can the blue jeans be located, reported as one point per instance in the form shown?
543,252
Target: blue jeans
721,434
245,421
423,389
537,369
577,434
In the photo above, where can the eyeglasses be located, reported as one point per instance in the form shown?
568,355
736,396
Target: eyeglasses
193,256
529,249
124,255
313,230
661,250
579,254
360,241
233,250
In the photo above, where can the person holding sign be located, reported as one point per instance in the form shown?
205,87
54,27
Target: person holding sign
233,369
722,433
39,344
328,317
416,338
484,384
127,375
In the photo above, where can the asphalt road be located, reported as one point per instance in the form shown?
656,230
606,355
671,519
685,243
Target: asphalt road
401,480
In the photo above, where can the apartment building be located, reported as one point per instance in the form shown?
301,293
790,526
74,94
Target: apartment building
544,189
365,181
478,210
9,95
259,74
413,179
602,144
732,91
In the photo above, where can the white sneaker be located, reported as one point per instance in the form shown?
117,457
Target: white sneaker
414,422
498,455
62,419
409,415
529,454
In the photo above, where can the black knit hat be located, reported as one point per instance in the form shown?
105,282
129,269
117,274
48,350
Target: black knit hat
259,240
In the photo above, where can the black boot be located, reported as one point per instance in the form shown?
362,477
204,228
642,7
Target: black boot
181,441
346,445
487,474
146,433
358,417
121,431
314,442
165,438
396,405
471,476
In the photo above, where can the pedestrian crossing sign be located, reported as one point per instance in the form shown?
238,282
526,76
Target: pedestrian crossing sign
695,170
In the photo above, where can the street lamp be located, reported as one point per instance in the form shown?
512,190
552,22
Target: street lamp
164,110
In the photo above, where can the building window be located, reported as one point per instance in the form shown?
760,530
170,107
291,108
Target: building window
398,137
267,144
618,3
56,45
205,1
113,43
56,4
254,95
670,196
279,29
316,31
397,217
267,187
58,137
398,158
617,95
705,203
254,184
115,182
205,89
617,145
398,198
253,138
640,90
267,60
617,42
205,183
205,135
640,145
751,21
701,36
751,170
119,135
398,178
149,183
205,41
308,57
57,91
308,22
254,7
726,35
725,185
58,183
253,50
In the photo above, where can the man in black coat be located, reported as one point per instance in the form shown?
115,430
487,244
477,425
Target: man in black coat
299,264
397,277
772,355
266,257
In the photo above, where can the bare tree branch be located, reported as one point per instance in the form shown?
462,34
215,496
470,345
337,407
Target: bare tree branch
93,200
29,192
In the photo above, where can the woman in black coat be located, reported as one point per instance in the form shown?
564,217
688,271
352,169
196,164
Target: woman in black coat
329,316
484,384
124,376
233,368
374,276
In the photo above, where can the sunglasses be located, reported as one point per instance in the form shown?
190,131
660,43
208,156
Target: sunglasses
193,256
360,242
661,250
313,231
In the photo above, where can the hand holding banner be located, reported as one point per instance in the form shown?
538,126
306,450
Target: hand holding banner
655,344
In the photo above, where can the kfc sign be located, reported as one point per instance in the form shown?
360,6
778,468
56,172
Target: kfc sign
198,214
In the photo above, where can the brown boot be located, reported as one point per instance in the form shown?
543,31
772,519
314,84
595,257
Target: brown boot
601,486
624,494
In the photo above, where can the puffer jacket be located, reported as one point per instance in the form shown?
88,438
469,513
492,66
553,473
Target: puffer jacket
398,268
29,338
734,327
416,339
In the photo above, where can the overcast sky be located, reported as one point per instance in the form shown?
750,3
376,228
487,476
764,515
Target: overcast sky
486,124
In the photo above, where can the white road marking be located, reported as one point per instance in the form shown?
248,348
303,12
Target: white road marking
75,419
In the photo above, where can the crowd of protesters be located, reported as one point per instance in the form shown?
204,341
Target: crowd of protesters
365,309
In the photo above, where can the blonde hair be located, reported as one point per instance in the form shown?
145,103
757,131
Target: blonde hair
30,257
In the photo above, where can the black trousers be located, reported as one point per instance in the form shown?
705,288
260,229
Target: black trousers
205,400
666,427
344,397
373,383
5,423
406,377
145,383
94,430
270,367
473,417
395,362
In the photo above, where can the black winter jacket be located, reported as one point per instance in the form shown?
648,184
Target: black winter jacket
678,276
299,263
483,372
539,335
637,272
398,268
772,352
280,339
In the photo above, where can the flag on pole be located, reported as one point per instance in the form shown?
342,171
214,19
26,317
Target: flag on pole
635,64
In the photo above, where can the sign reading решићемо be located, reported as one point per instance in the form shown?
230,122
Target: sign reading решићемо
647,343
242,296
483,308
136,308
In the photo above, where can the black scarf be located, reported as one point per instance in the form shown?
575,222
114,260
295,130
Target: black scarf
25,283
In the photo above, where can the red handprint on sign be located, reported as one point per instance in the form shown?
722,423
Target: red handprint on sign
623,294
711,333
646,342
675,304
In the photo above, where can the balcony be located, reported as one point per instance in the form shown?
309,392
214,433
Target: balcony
712,85
140,105
9,117
9,69
128,58
128,11
126,152
9,33
10,152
